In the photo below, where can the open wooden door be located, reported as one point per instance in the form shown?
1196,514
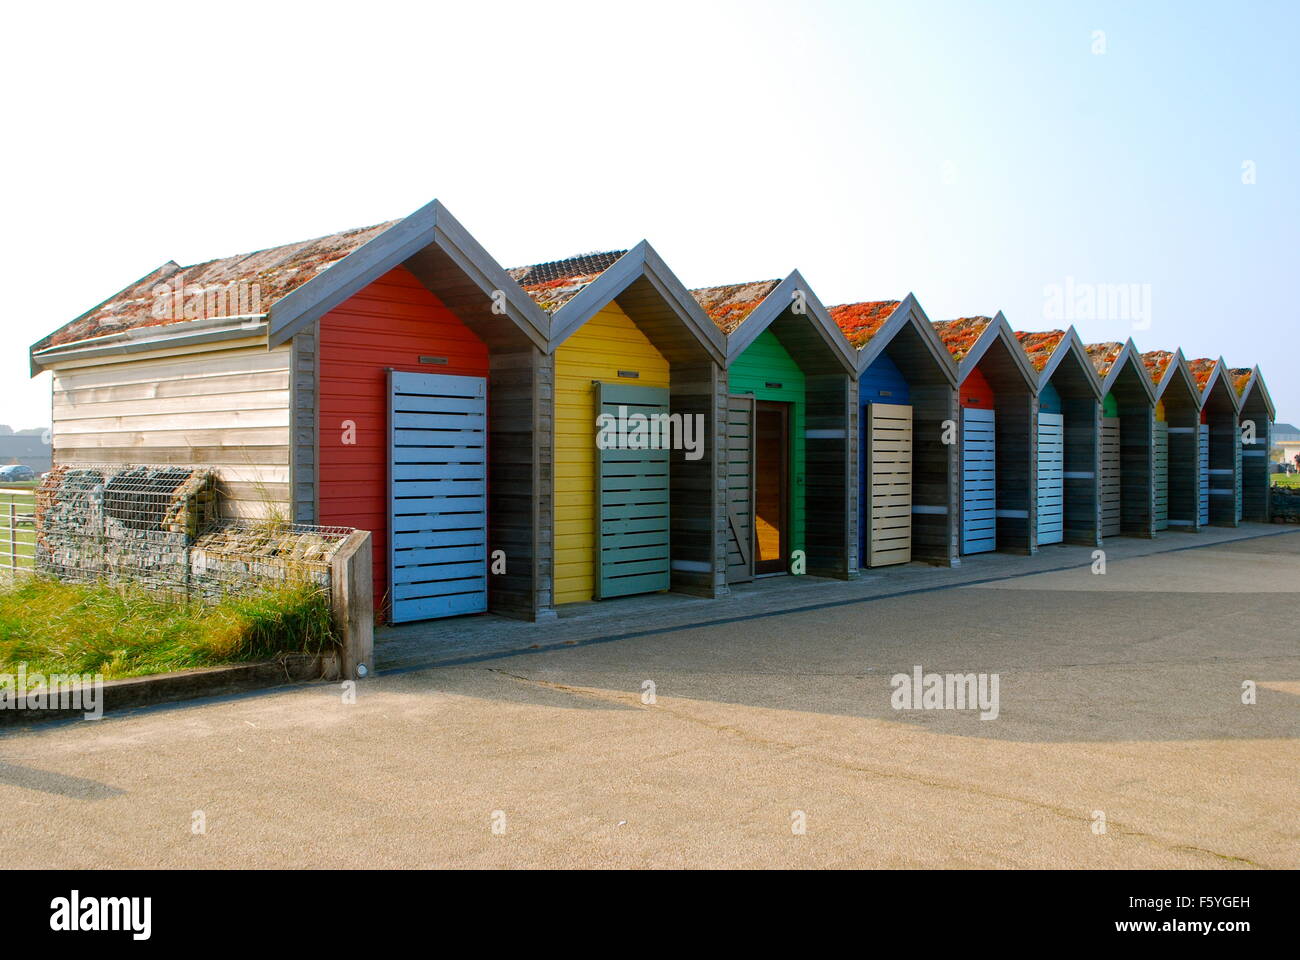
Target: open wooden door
740,488
889,483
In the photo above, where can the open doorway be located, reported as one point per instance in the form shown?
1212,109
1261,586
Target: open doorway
771,487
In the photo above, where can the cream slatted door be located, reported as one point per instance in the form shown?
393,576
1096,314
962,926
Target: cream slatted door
1160,445
889,469
1110,477
740,488
1051,478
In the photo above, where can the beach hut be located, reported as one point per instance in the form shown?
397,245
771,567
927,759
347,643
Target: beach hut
386,378
1220,442
1257,416
1176,441
1126,440
907,391
1069,448
790,430
997,389
639,398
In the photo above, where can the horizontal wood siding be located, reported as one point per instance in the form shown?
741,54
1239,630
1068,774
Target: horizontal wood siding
227,409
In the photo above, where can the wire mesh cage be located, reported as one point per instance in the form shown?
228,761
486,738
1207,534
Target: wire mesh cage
158,527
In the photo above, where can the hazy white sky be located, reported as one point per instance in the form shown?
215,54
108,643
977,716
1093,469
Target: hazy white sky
977,154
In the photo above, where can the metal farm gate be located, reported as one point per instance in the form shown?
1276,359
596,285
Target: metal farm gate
1110,477
437,495
1051,478
887,481
632,498
978,481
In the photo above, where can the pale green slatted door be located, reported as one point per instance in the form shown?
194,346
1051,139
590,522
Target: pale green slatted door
632,495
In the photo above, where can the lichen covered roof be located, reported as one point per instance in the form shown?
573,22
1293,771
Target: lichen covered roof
1240,378
729,306
266,275
1157,362
553,284
1039,347
862,321
960,335
1103,356
1202,369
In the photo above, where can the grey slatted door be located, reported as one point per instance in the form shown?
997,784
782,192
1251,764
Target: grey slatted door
1203,488
437,503
1110,477
979,521
740,488
632,500
1051,478
1236,453
889,468
1160,443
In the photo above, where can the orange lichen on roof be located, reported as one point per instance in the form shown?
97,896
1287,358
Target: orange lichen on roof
960,335
1157,362
1039,347
553,284
1201,369
262,278
1240,378
729,306
1103,356
862,321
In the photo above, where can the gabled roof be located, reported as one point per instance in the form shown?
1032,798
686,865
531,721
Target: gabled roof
1164,367
871,325
968,339
743,311
298,283
1046,351
1211,375
574,290
1249,382
1110,359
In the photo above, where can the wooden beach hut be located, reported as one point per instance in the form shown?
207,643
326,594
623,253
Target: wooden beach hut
639,398
1069,448
1176,441
907,392
997,389
1220,442
1257,416
791,418
1126,440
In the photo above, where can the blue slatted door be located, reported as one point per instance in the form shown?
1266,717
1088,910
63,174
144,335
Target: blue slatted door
1203,488
632,500
1051,478
1160,443
437,556
1236,452
1110,477
889,472
979,522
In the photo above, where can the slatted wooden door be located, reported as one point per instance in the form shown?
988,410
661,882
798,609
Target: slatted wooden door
978,481
437,502
1051,478
889,473
1203,472
1160,445
632,500
1110,477
1236,454
740,488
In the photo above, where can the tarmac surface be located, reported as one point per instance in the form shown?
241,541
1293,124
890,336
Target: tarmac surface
771,740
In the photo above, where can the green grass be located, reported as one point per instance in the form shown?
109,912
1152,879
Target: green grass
119,632
1289,480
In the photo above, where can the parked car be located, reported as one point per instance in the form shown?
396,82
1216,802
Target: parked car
16,471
